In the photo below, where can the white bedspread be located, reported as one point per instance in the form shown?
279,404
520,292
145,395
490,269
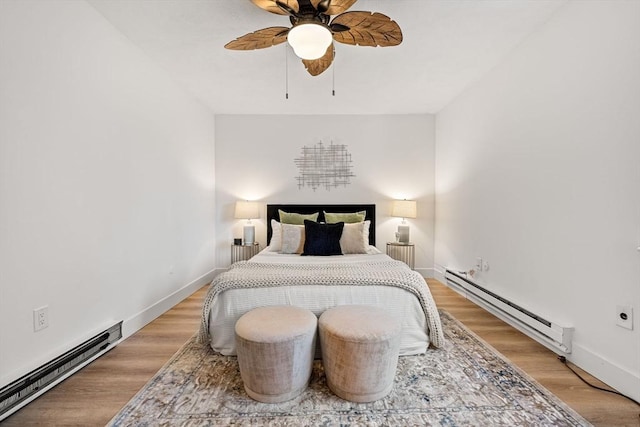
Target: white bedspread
225,308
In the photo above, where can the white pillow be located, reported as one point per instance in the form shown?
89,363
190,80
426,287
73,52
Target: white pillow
352,240
365,232
292,238
275,245
372,250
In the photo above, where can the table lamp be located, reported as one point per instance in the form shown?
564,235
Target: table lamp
248,210
404,209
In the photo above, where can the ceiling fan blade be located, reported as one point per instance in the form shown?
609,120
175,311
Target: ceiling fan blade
336,7
260,39
366,29
318,66
271,6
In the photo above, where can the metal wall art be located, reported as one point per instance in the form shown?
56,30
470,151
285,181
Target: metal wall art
324,166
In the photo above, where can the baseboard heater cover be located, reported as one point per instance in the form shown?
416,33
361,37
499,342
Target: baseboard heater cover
25,389
553,336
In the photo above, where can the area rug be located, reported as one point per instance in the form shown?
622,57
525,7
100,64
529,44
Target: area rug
465,383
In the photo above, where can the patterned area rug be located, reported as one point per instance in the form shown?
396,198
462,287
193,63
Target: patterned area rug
465,383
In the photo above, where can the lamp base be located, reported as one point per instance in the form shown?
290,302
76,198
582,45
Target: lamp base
249,234
403,234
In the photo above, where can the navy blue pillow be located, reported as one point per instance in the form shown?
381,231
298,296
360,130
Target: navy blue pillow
322,239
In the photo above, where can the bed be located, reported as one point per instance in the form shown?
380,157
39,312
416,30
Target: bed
281,275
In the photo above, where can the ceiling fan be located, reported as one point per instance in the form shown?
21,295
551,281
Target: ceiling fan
313,31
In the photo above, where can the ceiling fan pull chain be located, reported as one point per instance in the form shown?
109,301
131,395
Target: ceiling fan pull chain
333,75
286,72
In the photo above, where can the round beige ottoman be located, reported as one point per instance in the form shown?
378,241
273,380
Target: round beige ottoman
275,347
360,346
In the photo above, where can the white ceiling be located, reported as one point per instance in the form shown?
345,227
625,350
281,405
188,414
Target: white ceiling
448,44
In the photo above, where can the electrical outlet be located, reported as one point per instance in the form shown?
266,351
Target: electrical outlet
478,266
40,318
624,316
485,266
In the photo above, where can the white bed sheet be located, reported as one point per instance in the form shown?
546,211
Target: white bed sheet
227,307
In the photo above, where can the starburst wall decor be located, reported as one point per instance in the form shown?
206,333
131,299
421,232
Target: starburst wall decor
324,166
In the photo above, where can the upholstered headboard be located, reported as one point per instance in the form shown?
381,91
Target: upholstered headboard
272,213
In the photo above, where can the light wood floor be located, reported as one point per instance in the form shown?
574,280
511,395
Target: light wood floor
95,394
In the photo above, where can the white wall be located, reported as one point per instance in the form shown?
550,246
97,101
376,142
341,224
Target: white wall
106,182
392,158
538,172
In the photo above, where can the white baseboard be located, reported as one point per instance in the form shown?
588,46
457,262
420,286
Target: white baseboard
427,273
626,382
129,326
438,273
140,320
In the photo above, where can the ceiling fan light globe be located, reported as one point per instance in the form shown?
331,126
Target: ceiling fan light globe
310,41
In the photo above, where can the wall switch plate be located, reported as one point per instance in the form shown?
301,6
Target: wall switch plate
40,318
624,316
485,266
478,266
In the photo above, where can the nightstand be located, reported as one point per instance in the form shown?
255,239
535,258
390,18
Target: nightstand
404,252
244,252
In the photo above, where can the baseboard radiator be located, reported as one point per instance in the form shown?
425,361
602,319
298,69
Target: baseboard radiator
555,337
25,389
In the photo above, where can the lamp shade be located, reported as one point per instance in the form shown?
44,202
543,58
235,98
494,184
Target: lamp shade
404,209
247,210
310,41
